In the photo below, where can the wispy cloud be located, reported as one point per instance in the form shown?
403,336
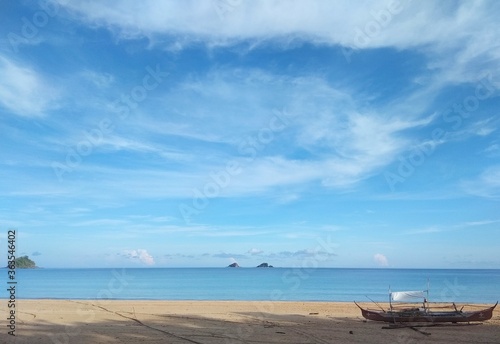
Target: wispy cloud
345,143
493,150
304,253
460,45
487,184
100,222
451,227
403,26
24,91
322,21
101,80
254,254
255,251
427,230
229,255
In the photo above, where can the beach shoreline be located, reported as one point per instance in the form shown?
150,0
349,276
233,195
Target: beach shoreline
139,321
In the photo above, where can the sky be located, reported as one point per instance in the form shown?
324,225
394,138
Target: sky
298,133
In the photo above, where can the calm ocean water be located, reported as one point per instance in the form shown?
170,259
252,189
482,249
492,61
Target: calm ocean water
287,284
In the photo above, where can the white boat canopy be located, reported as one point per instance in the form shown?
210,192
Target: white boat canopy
408,295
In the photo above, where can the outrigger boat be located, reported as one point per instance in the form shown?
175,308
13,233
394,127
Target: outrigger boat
424,311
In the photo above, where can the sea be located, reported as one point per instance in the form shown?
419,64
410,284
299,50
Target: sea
262,284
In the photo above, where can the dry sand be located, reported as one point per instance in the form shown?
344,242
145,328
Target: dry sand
219,322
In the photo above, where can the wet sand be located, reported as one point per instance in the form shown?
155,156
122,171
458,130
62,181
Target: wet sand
219,322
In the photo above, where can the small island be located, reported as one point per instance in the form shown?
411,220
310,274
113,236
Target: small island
264,265
25,263
234,265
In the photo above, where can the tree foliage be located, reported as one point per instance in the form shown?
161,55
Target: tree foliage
25,263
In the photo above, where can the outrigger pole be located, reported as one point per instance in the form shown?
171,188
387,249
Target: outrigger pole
383,310
390,298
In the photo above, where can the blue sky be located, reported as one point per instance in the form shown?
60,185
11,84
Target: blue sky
298,133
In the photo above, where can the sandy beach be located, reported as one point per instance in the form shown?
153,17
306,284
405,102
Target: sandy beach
180,322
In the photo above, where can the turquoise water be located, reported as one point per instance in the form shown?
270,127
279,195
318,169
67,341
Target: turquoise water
287,284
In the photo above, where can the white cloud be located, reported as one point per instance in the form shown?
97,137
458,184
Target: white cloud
493,150
141,255
365,24
426,230
340,157
333,22
487,184
101,80
255,251
24,91
346,143
461,43
381,260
